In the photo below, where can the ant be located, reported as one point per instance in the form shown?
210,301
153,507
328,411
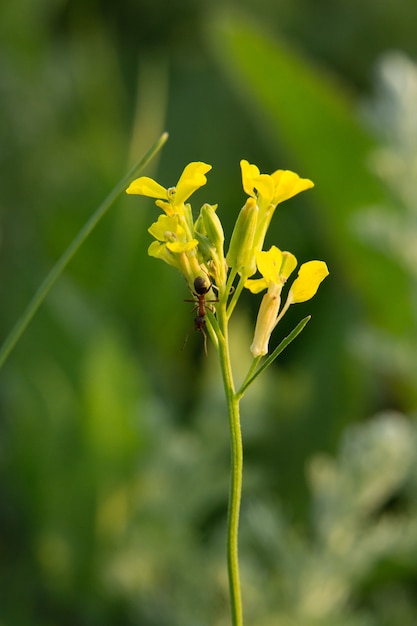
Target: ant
201,289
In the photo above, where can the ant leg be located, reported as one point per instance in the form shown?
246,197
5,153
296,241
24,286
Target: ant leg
205,340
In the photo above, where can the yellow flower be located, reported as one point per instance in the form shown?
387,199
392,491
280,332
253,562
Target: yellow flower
174,232
172,200
168,230
273,188
275,267
268,191
173,246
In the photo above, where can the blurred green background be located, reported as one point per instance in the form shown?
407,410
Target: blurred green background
113,435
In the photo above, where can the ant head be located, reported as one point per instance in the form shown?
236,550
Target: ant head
200,285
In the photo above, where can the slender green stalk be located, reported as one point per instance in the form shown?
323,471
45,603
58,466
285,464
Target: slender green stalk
233,400
43,290
235,296
235,489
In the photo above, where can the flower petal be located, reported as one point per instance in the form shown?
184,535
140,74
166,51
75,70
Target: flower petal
256,285
163,225
145,186
264,184
159,251
309,278
192,178
182,246
165,206
269,264
249,174
289,263
288,184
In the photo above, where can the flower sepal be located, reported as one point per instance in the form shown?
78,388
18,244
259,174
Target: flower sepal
265,321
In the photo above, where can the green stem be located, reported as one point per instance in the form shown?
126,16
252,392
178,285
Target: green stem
235,297
235,490
229,285
45,287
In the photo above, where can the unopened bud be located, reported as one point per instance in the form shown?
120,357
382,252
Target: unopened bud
212,227
241,254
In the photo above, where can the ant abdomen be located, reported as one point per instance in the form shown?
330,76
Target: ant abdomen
200,323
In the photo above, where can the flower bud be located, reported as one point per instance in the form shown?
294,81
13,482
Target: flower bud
241,254
212,227
209,233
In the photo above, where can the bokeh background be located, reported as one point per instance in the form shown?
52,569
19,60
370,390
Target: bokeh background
113,435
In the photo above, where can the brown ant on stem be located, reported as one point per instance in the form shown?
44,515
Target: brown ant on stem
201,289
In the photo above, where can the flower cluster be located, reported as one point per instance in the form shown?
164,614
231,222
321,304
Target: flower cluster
174,232
196,247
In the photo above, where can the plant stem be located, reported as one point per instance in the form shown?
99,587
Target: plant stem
235,489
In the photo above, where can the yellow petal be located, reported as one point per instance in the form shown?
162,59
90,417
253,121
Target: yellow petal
309,278
249,174
190,180
145,186
289,263
265,187
159,251
269,264
163,225
256,285
165,206
288,184
182,246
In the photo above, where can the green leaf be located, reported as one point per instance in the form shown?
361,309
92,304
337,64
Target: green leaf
271,358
